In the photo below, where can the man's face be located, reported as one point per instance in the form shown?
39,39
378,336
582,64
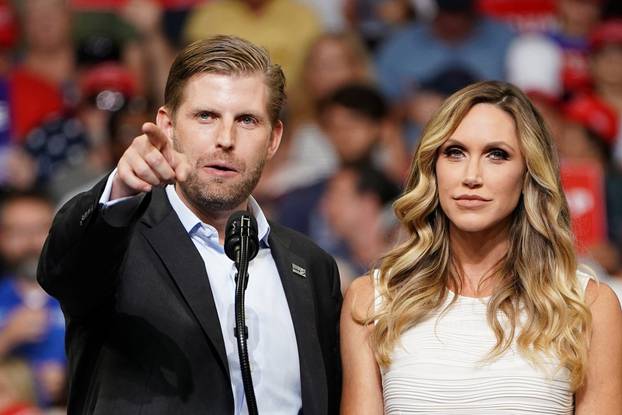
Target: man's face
223,127
24,225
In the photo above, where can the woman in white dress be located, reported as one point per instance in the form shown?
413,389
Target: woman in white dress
482,310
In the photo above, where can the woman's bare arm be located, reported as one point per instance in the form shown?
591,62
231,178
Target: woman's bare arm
362,385
602,391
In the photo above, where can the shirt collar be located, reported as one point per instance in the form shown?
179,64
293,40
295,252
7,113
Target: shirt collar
190,221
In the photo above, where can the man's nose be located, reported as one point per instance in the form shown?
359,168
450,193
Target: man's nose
226,136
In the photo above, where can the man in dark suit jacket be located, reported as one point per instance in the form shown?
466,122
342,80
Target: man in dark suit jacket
147,323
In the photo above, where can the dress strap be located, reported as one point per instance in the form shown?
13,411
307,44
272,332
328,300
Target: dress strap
377,298
583,277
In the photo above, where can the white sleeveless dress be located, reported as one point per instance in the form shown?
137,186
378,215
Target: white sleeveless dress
437,369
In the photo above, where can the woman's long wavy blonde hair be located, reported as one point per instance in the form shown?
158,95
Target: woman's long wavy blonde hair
537,274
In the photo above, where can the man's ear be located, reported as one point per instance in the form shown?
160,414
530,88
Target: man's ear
275,138
164,120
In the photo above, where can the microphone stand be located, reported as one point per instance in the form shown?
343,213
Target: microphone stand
241,330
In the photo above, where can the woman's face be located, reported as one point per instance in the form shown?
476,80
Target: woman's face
480,170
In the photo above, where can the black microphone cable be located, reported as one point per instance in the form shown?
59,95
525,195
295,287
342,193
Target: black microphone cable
242,245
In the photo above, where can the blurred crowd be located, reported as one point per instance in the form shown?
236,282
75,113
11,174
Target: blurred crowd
78,78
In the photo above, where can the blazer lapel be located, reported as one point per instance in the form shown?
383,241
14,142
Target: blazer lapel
300,296
170,240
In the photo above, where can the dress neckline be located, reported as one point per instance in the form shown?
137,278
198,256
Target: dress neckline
469,297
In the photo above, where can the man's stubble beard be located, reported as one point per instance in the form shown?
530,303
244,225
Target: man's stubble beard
219,194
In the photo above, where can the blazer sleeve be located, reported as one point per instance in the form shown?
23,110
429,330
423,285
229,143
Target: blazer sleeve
83,254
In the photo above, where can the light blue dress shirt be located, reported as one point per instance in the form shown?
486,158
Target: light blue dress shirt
271,338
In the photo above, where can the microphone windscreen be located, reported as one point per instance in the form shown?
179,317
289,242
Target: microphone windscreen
238,222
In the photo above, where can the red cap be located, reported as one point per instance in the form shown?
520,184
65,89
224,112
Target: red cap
595,115
606,33
108,76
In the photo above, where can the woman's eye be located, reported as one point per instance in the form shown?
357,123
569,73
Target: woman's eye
498,154
453,153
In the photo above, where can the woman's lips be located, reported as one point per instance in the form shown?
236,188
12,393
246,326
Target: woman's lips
471,201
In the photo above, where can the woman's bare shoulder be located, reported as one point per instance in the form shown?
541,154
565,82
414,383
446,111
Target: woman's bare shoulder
604,304
599,295
360,295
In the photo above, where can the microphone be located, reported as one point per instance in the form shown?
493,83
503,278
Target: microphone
241,246
241,225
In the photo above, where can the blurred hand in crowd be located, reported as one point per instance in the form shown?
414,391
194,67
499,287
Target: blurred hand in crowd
24,325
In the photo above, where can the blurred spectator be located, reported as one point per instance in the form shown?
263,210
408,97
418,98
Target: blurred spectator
174,19
427,97
534,64
576,19
47,65
284,27
550,109
61,142
330,12
377,20
561,51
17,389
24,223
333,60
32,326
123,125
74,149
354,118
175,12
152,47
134,28
458,36
356,206
523,15
606,64
306,155
18,170
15,165
8,36
590,130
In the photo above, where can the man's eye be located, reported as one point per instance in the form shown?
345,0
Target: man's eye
498,154
205,115
248,120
